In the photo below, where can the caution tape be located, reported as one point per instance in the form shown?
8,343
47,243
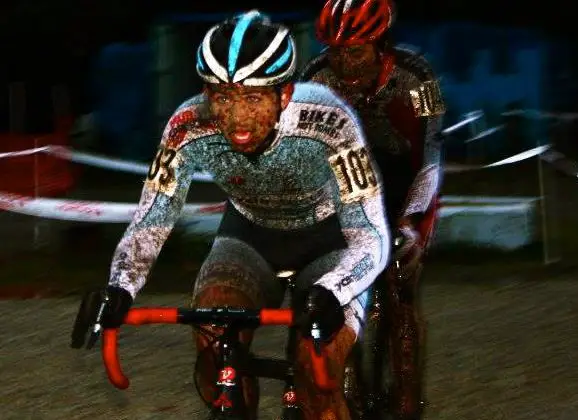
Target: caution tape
557,159
205,218
96,161
27,152
472,116
551,156
141,168
94,211
546,153
536,151
541,115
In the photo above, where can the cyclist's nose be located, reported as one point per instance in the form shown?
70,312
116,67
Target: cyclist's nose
238,113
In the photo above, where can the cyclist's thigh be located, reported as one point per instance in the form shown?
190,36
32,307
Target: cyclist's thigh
232,263
355,311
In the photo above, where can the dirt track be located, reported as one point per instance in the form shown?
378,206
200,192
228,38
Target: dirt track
501,350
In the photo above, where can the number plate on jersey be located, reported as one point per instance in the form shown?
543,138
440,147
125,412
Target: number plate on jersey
161,175
354,174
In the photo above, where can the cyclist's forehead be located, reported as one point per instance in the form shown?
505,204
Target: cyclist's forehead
238,89
351,49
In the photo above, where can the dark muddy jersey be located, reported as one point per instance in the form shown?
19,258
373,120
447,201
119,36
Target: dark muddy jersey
402,119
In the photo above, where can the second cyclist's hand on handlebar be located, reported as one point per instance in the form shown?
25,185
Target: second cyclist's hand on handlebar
102,308
324,315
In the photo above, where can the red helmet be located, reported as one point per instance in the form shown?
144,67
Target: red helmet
354,22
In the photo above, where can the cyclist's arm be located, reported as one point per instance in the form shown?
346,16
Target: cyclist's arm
424,92
162,199
359,203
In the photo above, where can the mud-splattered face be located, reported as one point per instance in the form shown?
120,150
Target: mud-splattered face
357,65
246,115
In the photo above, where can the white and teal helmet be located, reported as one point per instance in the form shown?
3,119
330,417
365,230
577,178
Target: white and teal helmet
247,49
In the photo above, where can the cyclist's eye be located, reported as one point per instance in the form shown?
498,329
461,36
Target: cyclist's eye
220,99
253,99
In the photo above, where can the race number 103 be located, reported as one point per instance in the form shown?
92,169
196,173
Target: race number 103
355,176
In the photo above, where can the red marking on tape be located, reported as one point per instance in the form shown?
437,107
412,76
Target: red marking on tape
212,208
79,207
9,201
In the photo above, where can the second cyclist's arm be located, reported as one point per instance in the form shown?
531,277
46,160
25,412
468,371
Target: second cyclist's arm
427,101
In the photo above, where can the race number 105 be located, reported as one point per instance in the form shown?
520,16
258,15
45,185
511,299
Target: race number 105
355,176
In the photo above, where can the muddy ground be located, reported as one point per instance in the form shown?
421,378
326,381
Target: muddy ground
501,340
501,349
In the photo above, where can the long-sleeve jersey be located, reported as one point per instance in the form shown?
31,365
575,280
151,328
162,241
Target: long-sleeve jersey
318,165
402,119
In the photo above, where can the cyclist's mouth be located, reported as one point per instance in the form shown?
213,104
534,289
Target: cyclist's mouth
241,137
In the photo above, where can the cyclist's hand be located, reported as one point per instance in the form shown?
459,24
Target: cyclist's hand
103,308
408,250
323,313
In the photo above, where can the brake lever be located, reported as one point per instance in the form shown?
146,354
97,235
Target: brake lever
97,327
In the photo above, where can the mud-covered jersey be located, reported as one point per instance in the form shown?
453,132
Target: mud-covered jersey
402,120
317,166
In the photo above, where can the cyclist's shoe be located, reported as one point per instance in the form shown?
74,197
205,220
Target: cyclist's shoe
103,308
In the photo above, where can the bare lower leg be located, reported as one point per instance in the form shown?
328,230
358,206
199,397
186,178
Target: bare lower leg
207,375
314,404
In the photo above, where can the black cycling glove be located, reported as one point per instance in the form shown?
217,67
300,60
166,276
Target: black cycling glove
324,315
105,308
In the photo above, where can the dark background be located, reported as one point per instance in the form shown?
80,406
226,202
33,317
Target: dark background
501,339
51,40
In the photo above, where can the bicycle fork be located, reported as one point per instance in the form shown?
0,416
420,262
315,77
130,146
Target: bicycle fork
229,400
291,409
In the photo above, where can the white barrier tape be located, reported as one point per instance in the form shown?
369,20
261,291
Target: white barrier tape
112,163
485,133
565,116
92,211
25,152
102,162
204,219
142,169
482,209
452,200
474,115
97,161
536,151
